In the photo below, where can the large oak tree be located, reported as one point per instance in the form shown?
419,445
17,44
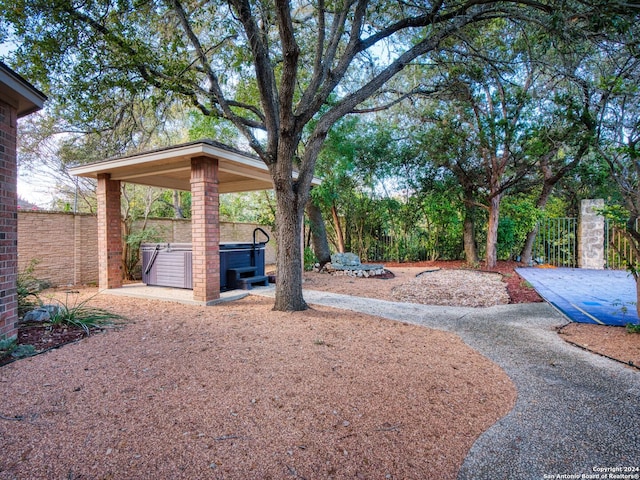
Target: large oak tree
282,72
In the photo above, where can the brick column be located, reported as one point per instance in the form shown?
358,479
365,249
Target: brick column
205,229
8,223
109,233
591,235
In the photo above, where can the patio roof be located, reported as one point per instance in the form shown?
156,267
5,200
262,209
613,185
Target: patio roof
171,168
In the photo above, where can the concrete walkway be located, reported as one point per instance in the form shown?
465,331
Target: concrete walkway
576,411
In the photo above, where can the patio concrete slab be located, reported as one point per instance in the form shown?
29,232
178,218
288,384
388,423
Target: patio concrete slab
605,297
170,294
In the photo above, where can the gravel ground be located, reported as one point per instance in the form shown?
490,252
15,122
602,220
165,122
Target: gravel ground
576,412
238,391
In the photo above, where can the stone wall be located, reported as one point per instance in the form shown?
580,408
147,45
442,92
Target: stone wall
8,222
66,245
591,235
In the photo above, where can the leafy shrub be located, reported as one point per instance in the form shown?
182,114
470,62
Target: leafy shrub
506,238
131,252
29,288
633,327
309,259
7,346
23,351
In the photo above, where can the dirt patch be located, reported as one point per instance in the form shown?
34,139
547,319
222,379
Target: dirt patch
613,342
239,391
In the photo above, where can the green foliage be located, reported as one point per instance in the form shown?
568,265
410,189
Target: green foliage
506,238
204,127
309,259
519,216
23,351
616,214
633,327
166,205
29,288
133,242
78,313
248,207
7,345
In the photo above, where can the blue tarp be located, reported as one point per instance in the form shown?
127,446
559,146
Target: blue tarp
606,297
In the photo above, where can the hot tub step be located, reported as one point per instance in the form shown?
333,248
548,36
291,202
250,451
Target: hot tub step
248,282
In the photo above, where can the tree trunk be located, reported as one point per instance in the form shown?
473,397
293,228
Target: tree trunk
338,229
289,217
526,256
469,230
492,231
177,207
318,234
469,239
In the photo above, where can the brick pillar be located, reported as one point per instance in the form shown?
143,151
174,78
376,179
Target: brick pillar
8,223
591,235
205,229
109,233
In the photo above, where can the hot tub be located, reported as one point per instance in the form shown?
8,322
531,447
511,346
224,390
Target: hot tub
170,264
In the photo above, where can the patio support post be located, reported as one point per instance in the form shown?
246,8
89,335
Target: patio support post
109,233
205,229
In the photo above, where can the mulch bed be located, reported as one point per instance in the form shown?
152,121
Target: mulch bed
44,337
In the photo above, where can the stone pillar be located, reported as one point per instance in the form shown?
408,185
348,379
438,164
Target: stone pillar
109,233
205,229
591,235
8,223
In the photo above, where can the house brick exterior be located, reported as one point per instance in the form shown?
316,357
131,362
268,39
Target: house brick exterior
17,99
8,222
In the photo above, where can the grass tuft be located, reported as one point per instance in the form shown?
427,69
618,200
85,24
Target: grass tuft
80,314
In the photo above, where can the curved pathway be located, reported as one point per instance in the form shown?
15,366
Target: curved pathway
576,412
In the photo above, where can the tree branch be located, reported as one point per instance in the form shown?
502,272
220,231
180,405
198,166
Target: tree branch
265,78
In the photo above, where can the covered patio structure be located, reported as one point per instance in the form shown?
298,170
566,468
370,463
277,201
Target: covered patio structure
207,169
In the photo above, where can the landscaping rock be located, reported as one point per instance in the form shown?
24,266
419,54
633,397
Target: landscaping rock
347,259
41,314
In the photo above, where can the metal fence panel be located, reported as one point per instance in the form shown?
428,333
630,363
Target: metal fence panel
556,242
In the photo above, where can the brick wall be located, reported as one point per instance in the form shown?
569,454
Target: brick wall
8,222
67,244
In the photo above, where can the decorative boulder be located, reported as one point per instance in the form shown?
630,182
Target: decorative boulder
347,259
41,314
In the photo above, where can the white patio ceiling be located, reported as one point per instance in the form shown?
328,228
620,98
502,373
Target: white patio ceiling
171,168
